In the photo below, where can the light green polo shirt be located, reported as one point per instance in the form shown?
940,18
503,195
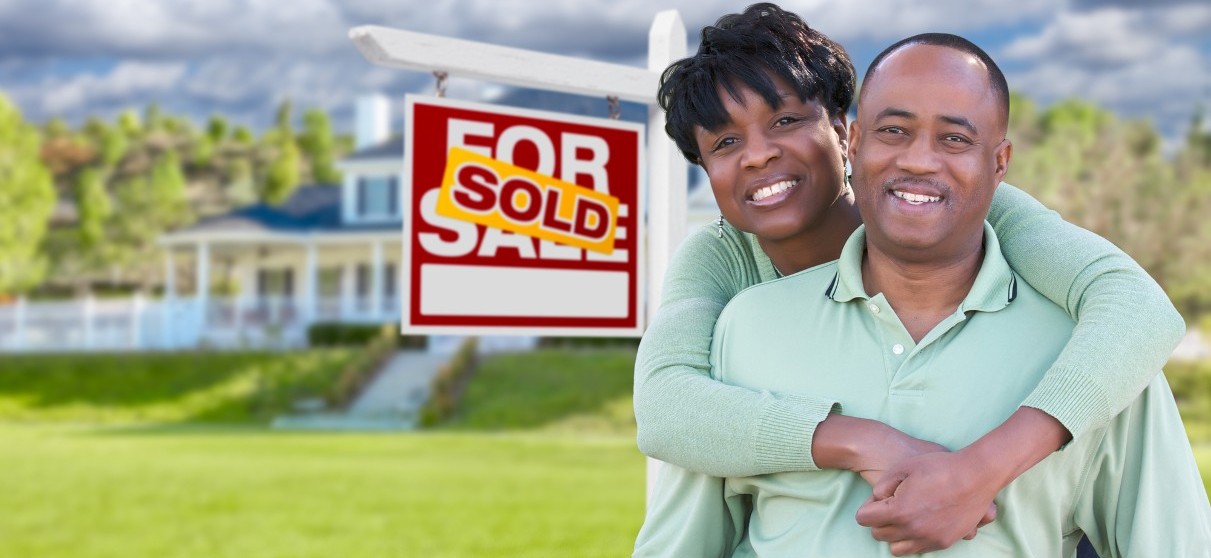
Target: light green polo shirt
1132,486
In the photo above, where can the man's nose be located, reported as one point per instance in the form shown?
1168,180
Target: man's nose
919,156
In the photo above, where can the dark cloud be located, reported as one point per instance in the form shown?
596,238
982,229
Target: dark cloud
1132,4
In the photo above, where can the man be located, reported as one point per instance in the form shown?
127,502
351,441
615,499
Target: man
949,334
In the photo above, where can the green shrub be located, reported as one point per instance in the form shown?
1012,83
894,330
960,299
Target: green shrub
588,342
328,334
448,385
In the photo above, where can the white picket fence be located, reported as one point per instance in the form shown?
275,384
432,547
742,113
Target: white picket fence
138,323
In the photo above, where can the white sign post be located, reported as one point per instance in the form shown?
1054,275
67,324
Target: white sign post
667,180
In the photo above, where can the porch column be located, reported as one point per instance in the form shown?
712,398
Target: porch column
348,289
169,302
376,279
202,270
136,321
310,284
88,314
19,317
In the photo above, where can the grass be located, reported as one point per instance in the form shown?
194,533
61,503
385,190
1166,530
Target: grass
76,492
496,482
540,461
164,387
575,391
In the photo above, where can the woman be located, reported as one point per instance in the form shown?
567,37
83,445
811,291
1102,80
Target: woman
687,419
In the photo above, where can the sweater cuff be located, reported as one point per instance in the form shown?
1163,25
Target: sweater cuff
785,430
1071,398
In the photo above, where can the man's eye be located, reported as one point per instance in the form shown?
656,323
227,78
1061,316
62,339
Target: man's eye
955,138
892,130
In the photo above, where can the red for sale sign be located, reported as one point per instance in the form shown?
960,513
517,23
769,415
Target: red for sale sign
520,221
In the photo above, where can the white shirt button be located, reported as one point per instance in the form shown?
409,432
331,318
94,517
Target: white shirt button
897,348
874,308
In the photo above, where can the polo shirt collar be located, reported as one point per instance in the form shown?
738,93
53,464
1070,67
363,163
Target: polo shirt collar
994,288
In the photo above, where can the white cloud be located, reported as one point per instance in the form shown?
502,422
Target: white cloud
124,80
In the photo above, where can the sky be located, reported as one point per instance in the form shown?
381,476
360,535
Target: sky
240,58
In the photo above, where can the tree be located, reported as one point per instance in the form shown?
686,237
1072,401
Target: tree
242,135
129,123
216,128
27,197
93,208
283,174
111,143
168,190
317,144
241,189
282,121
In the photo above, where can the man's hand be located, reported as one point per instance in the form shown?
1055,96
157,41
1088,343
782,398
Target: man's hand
928,502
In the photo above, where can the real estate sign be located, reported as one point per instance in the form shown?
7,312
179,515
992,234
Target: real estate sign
520,221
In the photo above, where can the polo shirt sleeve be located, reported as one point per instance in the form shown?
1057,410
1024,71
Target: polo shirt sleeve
1142,494
1126,327
687,418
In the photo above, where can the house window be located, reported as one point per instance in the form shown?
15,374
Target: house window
365,277
275,282
363,280
378,196
389,280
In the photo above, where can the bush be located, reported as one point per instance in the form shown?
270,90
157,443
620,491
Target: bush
328,334
358,373
448,385
588,342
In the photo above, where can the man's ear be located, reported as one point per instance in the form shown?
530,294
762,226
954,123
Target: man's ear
1004,152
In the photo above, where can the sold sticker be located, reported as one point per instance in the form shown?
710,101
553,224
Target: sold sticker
485,191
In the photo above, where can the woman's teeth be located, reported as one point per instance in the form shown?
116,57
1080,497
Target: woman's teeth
915,199
773,189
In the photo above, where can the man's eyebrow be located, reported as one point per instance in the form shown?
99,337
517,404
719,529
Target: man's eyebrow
959,121
895,112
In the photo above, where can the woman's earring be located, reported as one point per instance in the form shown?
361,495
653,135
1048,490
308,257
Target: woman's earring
719,223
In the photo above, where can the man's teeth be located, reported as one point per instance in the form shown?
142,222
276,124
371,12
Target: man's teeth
916,199
773,189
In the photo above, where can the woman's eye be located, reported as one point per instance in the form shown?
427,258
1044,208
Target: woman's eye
724,142
786,121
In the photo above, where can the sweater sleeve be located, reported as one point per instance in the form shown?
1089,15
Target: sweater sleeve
1126,327
687,418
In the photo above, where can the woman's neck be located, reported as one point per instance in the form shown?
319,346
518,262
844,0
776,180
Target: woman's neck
819,244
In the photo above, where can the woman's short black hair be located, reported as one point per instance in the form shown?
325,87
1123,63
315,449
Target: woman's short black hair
745,49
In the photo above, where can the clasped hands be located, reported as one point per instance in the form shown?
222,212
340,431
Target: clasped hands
925,497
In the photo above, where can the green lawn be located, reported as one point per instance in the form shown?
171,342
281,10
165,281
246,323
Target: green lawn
124,468
244,492
164,387
116,456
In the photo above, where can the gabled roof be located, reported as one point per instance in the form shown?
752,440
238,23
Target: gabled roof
313,208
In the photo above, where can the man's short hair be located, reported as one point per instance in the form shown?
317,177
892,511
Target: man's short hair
1000,87
745,49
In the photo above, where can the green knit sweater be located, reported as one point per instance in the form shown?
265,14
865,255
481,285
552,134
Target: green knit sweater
1126,329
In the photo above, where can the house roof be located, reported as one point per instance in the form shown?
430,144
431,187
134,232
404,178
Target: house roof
313,208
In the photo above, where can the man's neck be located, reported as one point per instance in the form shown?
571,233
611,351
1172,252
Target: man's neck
821,244
922,293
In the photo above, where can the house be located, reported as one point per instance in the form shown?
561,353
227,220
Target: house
329,253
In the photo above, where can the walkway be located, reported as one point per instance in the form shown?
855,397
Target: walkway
391,402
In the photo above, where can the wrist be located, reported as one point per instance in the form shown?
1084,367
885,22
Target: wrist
848,443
